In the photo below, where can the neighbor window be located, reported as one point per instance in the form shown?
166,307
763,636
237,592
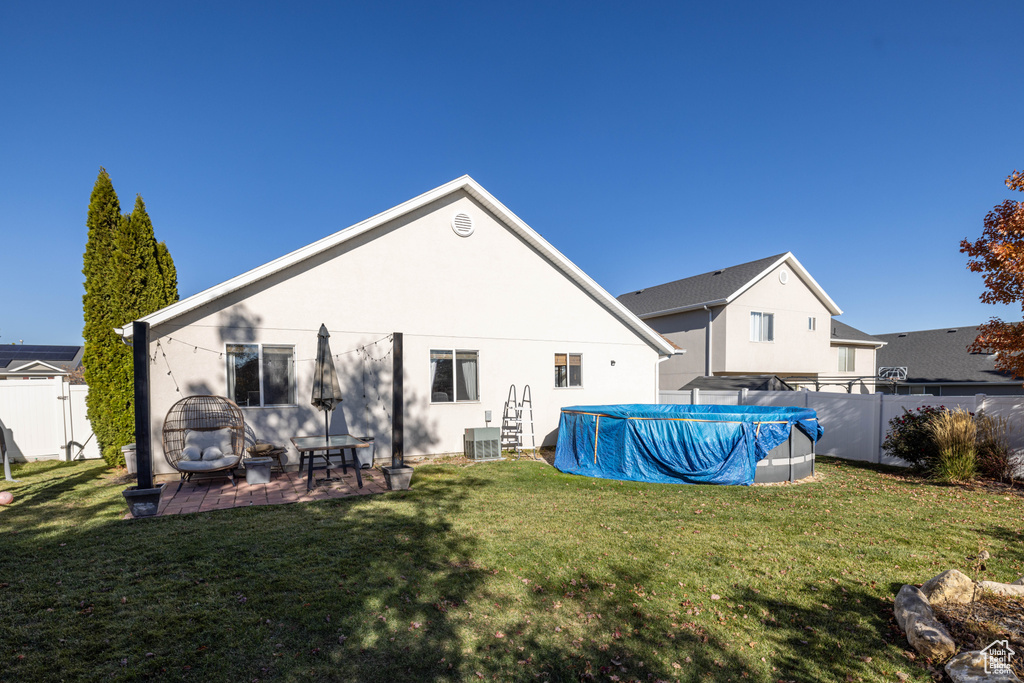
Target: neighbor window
762,327
454,376
846,356
568,370
812,324
261,375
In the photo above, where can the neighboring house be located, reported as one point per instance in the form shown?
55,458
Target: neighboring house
483,303
852,364
42,403
35,361
937,362
765,317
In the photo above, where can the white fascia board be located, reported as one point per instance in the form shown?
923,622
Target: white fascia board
685,309
859,342
475,190
28,367
801,273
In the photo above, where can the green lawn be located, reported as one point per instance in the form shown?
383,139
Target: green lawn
499,571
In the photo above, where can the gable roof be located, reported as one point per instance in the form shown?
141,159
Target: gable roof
843,333
60,358
938,356
716,288
464,183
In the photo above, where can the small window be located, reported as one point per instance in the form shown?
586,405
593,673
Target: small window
812,324
454,376
568,370
846,358
261,375
762,327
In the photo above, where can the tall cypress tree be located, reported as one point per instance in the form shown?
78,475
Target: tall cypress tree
99,307
139,278
168,274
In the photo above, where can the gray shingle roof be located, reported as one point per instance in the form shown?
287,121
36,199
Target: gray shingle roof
16,355
939,356
714,285
846,333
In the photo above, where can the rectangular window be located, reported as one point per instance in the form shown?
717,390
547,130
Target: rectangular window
454,376
568,370
812,324
261,376
846,357
762,327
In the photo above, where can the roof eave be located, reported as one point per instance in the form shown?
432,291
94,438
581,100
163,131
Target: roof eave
685,309
860,342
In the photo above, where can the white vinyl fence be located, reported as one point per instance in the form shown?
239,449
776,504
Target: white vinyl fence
855,424
44,419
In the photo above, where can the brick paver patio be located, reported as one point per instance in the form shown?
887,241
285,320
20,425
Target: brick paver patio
284,487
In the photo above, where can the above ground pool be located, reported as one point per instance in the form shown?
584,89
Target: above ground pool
676,444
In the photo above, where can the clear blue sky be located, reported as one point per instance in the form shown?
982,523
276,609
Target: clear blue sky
646,141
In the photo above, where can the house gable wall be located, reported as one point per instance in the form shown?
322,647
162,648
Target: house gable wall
796,349
490,292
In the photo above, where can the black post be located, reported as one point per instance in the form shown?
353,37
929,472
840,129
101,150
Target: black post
397,404
140,360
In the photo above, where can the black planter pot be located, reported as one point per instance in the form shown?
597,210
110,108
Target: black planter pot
143,502
397,478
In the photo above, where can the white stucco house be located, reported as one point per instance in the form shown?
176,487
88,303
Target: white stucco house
763,318
482,300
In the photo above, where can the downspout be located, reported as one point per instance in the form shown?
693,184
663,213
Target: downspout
707,346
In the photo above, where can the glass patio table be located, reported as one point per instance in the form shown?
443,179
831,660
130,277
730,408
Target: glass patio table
322,447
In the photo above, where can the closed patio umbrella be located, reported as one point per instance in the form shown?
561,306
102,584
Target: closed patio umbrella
326,390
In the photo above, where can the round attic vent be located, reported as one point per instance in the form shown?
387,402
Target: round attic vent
783,277
462,224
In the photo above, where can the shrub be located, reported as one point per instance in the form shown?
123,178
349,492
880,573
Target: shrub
954,435
995,457
908,436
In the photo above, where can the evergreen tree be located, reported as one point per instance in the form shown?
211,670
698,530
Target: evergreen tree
168,274
139,279
100,340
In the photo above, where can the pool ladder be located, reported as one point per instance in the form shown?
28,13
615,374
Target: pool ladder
513,422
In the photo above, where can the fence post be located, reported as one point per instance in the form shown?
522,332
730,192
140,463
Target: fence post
694,396
743,396
880,432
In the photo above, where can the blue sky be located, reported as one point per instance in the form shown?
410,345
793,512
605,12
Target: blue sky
646,141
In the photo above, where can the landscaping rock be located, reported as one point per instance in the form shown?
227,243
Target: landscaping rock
969,667
1010,590
924,633
1018,582
950,587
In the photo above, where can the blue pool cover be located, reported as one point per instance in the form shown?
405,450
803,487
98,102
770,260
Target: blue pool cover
675,444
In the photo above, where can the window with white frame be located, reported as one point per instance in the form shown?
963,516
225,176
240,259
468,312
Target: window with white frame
762,326
846,358
454,375
812,324
261,375
568,370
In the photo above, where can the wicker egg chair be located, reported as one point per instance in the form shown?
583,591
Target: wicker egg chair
202,421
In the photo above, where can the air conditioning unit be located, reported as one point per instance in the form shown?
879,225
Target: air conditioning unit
483,443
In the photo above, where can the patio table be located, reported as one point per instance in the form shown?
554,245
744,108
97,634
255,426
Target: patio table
322,446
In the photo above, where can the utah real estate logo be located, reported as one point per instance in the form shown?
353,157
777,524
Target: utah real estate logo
997,657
